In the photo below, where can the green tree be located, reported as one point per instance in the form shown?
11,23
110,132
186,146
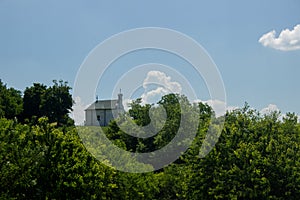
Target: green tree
256,157
42,162
57,103
32,101
10,102
54,102
139,112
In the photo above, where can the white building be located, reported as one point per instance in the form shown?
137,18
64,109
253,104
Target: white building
101,112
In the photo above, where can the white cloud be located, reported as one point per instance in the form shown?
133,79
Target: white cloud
126,103
158,84
231,108
218,106
287,40
269,109
78,111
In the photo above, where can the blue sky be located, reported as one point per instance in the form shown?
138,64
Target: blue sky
41,41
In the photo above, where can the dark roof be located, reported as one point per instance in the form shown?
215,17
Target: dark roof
103,105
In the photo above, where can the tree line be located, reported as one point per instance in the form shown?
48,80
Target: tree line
256,156
38,100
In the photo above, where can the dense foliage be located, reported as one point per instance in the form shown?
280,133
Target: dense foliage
256,157
54,102
10,102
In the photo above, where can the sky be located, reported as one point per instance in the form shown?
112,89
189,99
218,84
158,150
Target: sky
254,44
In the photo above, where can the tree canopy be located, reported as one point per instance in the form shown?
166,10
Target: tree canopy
10,102
54,102
256,156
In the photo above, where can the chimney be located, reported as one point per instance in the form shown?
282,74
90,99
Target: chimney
120,101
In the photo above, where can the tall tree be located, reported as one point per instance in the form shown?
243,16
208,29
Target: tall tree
32,101
54,102
10,102
139,112
57,102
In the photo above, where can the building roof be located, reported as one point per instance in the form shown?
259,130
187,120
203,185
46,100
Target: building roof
103,105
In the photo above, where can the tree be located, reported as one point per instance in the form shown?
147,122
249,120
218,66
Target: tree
256,157
32,101
57,102
54,102
139,112
10,102
42,162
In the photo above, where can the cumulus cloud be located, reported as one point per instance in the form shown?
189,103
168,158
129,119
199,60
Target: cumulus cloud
78,111
231,108
272,108
220,107
158,84
126,104
269,109
287,40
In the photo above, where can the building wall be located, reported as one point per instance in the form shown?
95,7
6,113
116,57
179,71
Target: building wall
91,117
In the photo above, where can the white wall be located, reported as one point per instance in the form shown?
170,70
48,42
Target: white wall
91,117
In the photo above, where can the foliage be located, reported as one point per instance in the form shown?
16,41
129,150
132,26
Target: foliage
41,162
139,112
54,102
10,102
57,102
256,156
32,101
